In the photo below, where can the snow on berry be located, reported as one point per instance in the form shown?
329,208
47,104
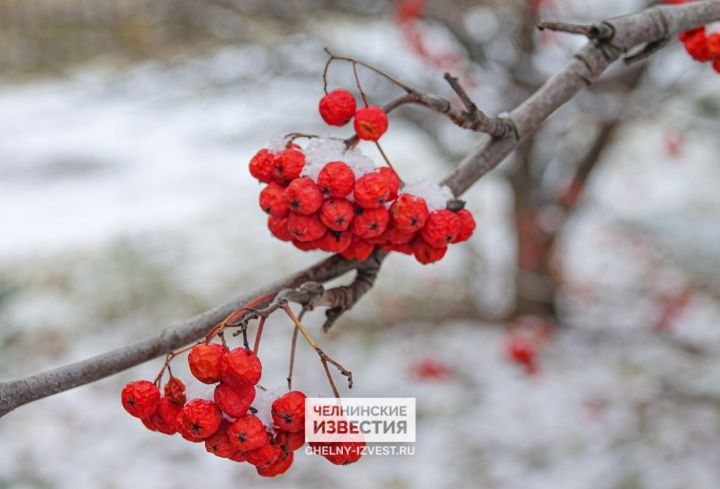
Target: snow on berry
273,200
371,191
441,228
370,223
140,398
287,165
303,196
370,123
199,419
240,367
305,228
288,412
337,214
234,401
261,165
204,361
337,107
435,196
247,433
336,179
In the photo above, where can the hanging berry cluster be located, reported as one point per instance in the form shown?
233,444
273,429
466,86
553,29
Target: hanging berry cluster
329,196
701,45
227,425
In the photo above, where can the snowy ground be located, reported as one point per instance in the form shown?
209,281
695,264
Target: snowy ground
127,205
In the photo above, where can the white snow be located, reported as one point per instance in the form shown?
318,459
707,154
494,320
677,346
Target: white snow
435,196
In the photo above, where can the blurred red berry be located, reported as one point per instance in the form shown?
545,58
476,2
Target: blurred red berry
334,241
263,456
393,182
426,254
279,228
164,419
279,466
467,226
359,250
303,196
288,412
175,390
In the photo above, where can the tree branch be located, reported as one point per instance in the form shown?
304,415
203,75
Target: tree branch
648,26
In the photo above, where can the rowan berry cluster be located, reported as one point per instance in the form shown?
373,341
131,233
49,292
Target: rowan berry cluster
701,45
333,198
228,425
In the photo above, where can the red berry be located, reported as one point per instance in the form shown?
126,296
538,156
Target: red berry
716,66
336,179
305,228
261,165
683,36
240,368
247,433
219,443
164,419
337,107
238,457
287,166
273,200
279,466
307,245
175,391
334,241
396,236
406,248
279,228
337,214
340,452
289,441
370,223
199,419
140,398
263,456
303,196
359,250
204,360
441,228
370,123
697,46
371,191
288,412
393,181
425,254
234,401
467,225
409,213
713,46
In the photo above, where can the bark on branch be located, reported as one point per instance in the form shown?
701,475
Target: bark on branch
649,26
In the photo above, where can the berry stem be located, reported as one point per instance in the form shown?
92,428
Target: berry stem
387,160
357,82
333,57
293,346
258,335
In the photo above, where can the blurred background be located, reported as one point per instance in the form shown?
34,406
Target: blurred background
572,342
